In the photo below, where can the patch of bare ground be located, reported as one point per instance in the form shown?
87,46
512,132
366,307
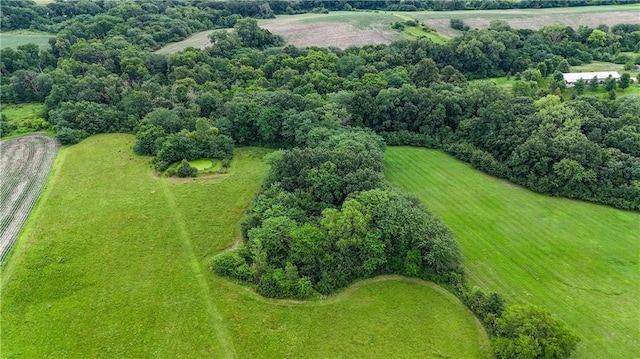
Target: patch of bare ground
324,34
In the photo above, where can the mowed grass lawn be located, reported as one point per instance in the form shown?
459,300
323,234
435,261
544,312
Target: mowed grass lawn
575,259
114,264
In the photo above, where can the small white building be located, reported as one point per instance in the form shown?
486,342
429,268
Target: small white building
572,77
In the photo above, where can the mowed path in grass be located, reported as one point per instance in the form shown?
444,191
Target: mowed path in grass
575,259
114,264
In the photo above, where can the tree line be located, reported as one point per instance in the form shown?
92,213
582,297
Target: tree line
26,14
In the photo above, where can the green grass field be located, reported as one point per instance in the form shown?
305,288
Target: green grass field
20,37
114,263
577,260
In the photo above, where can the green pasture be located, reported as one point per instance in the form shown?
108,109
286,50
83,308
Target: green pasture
16,38
575,259
114,263
598,66
415,32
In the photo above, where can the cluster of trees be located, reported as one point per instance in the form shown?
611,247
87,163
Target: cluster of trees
165,135
325,217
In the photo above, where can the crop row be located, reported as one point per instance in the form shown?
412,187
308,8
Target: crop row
25,164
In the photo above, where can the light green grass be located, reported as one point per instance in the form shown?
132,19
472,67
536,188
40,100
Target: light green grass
201,164
577,260
361,19
16,38
597,66
199,40
415,32
25,117
115,264
204,164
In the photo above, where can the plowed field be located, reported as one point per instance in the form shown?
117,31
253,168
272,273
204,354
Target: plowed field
24,165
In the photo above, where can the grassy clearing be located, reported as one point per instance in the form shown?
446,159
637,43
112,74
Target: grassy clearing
597,66
16,38
199,40
117,266
415,32
24,118
576,259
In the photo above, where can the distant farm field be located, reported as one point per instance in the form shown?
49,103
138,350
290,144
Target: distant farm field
17,38
339,29
116,265
533,18
578,260
357,28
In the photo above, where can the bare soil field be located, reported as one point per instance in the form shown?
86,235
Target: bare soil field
534,19
354,28
25,163
337,29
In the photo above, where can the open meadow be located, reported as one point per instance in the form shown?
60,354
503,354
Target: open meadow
575,259
20,37
115,263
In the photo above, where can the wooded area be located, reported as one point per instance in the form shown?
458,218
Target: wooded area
325,216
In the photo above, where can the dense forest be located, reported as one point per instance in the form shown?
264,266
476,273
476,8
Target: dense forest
99,75
325,215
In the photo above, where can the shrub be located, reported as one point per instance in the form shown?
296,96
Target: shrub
229,264
69,136
185,169
458,24
526,331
